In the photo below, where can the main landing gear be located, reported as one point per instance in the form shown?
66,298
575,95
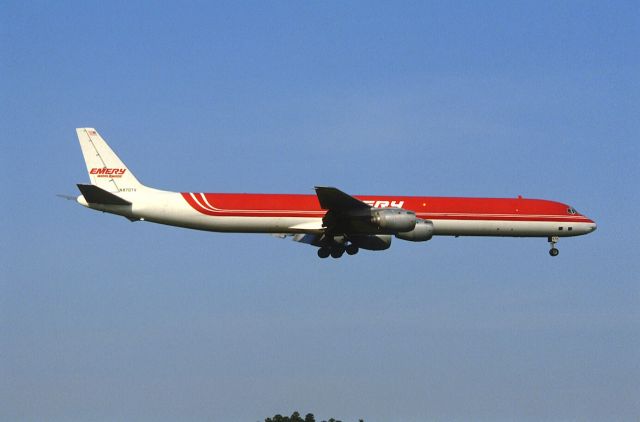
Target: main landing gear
552,242
337,250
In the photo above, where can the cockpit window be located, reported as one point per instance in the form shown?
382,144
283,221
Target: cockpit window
572,211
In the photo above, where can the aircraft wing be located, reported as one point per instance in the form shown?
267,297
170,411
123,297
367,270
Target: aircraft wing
334,199
341,208
344,212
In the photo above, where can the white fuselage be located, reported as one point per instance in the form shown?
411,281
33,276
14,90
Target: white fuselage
169,208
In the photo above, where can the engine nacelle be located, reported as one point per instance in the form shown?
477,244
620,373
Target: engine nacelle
422,231
372,242
393,220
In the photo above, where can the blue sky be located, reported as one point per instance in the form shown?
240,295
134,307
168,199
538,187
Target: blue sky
102,319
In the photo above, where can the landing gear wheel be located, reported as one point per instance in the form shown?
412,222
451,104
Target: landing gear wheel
352,249
552,241
337,252
324,252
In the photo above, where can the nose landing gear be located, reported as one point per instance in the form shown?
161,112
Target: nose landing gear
552,242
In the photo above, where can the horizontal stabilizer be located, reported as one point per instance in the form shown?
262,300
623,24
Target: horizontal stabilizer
95,195
334,199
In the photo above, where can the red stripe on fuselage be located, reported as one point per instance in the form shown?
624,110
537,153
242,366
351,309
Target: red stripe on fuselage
431,208
254,205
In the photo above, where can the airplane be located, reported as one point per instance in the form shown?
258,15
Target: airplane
331,220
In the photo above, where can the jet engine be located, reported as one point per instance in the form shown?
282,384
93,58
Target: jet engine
422,231
393,220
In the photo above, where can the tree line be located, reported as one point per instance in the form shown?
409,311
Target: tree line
295,417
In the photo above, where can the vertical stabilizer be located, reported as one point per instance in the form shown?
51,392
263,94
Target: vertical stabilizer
105,169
